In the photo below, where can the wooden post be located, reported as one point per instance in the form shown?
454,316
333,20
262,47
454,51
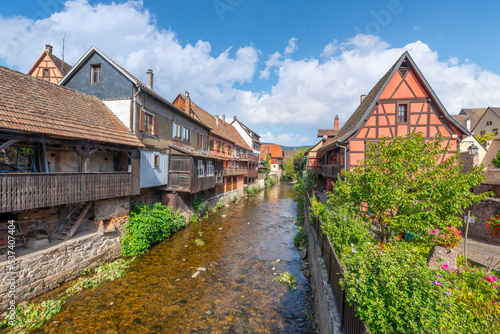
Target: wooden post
466,233
136,172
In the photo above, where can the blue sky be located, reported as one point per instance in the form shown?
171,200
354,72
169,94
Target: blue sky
285,68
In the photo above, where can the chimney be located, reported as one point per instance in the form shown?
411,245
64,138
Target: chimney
362,98
48,48
235,117
150,78
224,118
187,104
336,122
468,124
217,120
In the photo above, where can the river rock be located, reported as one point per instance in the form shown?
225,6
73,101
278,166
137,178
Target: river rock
303,253
224,216
439,255
201,269
307,274
195,274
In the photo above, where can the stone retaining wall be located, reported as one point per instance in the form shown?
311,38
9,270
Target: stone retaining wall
44,270
325,307
483,211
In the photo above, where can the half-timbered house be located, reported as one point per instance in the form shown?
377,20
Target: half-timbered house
48,67
400,103
65,158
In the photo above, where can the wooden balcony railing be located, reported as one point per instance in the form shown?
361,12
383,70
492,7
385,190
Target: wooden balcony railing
247,156
229,171
316,169
331,170
252,173
23,191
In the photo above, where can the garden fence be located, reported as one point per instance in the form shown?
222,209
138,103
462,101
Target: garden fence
350,322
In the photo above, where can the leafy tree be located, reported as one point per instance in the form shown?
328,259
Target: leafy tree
487,136
267,164
403,187
496,161
289,168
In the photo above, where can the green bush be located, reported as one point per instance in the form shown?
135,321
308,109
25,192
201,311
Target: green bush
270,180
148,225
300,238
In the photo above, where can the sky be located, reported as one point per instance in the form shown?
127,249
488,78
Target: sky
284,68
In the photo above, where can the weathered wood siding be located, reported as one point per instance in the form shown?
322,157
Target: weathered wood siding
37,190
153,176
180,172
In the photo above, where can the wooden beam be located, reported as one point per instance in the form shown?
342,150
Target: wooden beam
7,144
79,221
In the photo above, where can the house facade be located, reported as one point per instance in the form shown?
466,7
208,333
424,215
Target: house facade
277,155
174,141
489,122
250,137
400,103
48,67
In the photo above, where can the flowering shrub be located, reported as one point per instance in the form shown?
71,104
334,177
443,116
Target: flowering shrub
449,237
493,226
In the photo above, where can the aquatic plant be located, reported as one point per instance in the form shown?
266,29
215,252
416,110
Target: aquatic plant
287,279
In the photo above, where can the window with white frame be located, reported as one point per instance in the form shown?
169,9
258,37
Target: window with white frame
210,168
201,168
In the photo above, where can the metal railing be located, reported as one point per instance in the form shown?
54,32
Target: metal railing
349,320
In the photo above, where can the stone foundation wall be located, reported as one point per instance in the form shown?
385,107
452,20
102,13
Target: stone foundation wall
147,196
44,270
483,211
325,307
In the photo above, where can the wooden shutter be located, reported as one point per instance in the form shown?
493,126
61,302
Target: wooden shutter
155,125
141,120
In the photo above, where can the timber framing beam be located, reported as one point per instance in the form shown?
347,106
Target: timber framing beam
7,144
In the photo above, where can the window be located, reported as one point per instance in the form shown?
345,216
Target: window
402,113
489,122
148,123
201,141
229,149
156,162
210,168
201,168
495,131
45,72
177,131
483,132
187,135
95,75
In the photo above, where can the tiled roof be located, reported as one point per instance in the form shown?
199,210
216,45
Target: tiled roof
328,132
474,114
273,149
235,136
210,120
248,131
367,104
32,105
63,66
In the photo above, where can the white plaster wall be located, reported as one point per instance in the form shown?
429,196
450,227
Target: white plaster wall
121,108
101,162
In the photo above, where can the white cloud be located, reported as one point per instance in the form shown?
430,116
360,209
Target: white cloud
307,93
292,46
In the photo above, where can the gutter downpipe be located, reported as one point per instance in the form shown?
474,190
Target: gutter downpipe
135,109
345,156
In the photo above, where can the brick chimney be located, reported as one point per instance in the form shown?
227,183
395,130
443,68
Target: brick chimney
336,122
150,79
224,118
468,124
362,98
187,104
48,48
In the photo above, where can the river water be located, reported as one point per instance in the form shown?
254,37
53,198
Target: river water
237,293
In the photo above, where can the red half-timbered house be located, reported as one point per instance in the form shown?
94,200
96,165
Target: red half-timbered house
401,102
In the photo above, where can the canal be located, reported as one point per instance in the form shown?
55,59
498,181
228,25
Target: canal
235,294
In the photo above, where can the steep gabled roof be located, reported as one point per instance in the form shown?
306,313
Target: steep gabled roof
273,149
236,137
356,120
32,105
248,131
61,65
129,76
327,132
206,118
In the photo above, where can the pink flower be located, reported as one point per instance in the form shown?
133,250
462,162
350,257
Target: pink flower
495,286
435,232
495,303
490,278
445,267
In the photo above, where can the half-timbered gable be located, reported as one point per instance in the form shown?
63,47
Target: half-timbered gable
401,102
48,67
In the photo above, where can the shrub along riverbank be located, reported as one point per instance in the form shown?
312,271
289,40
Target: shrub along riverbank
399,189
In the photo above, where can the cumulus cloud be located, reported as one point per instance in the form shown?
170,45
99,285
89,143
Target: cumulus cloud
305,95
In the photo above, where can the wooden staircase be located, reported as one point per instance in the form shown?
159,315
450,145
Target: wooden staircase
75,218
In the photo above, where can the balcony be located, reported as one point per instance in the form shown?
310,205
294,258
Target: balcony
331,171
232,171
247,156
316,169
23,191
252,173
